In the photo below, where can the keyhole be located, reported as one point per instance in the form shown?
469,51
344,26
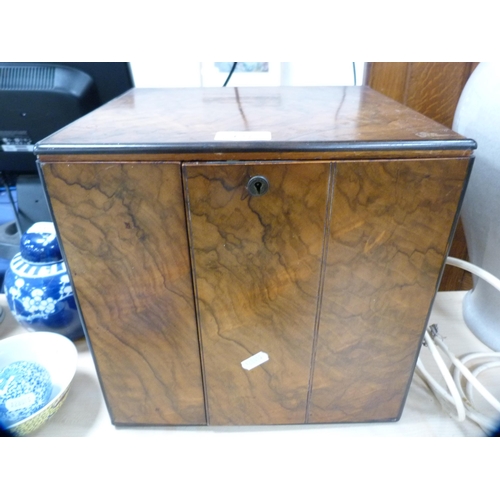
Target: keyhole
258,185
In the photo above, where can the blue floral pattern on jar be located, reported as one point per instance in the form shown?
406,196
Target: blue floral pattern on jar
37,285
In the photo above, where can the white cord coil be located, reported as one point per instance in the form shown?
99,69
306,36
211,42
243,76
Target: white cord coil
460,392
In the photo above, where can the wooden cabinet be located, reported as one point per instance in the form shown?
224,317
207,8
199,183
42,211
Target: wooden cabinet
433,89
125,239
257,262
208,302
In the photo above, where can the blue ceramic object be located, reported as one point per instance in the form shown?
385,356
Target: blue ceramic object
25,387
37,285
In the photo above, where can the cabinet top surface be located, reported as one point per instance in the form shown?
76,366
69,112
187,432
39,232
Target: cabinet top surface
251,119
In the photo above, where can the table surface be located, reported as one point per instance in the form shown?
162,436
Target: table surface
84,412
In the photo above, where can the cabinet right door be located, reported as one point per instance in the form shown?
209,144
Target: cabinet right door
391,223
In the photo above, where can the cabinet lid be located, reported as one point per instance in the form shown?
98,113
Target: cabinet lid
233,119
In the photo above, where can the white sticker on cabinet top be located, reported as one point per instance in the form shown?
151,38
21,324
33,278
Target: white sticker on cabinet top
255,360
253,135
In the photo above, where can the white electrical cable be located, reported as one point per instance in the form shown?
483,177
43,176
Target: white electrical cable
477,371
435,387
468,375
460,399
478,271
462,405
447,377
486,424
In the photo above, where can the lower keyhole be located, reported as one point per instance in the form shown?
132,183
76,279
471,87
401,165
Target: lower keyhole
258,186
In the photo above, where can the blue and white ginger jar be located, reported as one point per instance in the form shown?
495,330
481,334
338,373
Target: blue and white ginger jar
38,287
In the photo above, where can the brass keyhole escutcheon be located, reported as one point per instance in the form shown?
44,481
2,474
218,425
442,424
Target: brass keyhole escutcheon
258,185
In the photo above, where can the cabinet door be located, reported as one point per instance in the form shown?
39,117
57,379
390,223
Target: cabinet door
123,230
389,236
257,262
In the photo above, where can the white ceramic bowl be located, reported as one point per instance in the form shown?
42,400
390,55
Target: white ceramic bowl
53,351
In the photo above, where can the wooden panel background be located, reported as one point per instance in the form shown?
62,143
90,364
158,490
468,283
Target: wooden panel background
117,222
433,89
257,262
391,224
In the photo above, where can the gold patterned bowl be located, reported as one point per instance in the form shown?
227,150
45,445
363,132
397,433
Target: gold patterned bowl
57,354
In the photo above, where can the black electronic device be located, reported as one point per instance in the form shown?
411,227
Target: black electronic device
37,99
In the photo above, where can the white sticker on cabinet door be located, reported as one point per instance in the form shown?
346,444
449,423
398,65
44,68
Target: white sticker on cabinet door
255,360
246,135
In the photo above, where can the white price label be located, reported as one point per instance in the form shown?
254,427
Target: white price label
255,360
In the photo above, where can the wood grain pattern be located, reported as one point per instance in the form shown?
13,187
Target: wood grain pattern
390,230
180,278
260,156
123,230
435,88
388,78
192,117
431,88
453,277
257,262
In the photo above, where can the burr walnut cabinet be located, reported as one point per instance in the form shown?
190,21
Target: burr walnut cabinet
255,255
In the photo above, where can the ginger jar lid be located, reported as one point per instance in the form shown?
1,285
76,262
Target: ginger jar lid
39,244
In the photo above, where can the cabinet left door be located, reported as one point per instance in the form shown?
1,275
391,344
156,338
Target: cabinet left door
123,231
